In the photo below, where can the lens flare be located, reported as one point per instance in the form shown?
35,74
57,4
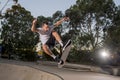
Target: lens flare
104,54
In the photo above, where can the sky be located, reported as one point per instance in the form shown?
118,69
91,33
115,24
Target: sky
43,7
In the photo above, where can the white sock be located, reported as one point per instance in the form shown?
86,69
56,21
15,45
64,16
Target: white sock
61,43
53,56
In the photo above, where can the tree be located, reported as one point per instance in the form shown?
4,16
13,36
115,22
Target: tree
113,31
88,20
55,17
16,29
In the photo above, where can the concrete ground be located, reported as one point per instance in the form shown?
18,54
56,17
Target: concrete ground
51,69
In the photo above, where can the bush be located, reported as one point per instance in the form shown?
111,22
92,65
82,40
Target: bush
83,57
26,55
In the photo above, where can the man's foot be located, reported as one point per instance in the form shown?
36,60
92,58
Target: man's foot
57,58
61,62
67,44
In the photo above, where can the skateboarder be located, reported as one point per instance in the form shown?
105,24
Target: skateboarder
48,35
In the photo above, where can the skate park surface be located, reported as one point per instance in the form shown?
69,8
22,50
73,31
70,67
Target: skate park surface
19,70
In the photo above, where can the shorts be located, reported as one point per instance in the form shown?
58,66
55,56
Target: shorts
51,41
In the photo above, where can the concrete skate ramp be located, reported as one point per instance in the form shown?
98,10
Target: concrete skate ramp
15,72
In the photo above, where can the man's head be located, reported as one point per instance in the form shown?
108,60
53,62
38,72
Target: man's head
45,25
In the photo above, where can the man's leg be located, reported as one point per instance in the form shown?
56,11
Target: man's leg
48,51
57,37
51,42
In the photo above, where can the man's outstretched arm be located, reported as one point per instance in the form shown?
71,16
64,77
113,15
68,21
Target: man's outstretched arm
60,21
33,28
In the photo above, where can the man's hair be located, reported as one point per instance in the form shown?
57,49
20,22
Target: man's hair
45,22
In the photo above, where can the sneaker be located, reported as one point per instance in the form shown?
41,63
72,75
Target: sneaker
67,44
61,62
57,58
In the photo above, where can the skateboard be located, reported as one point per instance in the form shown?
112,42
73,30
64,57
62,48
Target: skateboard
65,53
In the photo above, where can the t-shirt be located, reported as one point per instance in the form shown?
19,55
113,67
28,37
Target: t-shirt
44,36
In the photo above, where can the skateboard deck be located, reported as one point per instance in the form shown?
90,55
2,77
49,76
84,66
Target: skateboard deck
64,55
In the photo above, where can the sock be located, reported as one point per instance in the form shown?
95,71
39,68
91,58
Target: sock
53,56
61,43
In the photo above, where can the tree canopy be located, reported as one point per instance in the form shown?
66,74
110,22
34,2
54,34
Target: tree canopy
16,28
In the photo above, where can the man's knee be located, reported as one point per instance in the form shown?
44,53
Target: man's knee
45,47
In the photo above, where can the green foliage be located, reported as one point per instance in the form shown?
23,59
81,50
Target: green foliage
83,56
94,23
88,19
17,29
113,32
26,55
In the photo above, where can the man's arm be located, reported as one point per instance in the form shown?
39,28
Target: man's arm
60,21
33,28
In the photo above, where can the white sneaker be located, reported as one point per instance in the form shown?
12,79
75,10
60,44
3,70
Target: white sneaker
61,62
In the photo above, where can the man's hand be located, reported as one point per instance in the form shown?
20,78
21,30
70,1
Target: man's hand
66,18
33,28
34,22
60,21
